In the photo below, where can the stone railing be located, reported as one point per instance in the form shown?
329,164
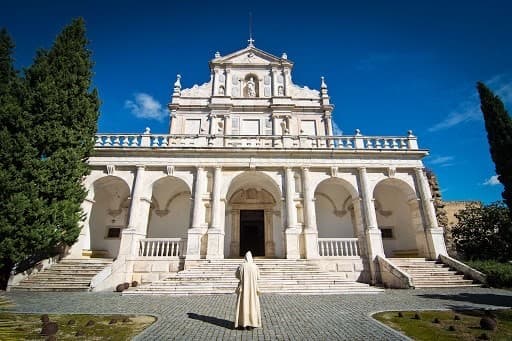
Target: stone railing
357,141
392,276
338,247
162,247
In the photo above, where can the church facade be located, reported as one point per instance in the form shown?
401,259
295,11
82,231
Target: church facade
251,163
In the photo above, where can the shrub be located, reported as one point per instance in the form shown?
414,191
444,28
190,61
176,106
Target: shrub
499,275
488,323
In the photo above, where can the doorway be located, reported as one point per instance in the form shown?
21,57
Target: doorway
252,232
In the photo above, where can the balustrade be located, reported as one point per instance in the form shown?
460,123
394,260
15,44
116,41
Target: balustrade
162,247
338,247
256,141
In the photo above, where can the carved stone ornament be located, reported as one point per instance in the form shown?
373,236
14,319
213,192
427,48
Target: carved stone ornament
203,90
111,169
305,92
391,172
334,172
170,170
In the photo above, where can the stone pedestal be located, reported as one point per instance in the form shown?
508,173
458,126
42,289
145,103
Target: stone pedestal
375,248
435,241
130,240
215,248
292,236
194,243
311,244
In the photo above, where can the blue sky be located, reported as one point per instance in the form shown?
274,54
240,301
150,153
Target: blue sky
390,66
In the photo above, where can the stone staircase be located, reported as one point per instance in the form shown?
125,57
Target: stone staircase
277,276
431,274
67,275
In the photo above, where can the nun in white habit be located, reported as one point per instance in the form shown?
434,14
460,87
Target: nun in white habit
248,313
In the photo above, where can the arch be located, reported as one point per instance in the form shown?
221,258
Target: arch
354,193
257,196
394,211
256,178
335,217
109,215
170,208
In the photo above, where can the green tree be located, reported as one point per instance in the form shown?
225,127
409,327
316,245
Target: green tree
16,152
499,134
61,112
483,232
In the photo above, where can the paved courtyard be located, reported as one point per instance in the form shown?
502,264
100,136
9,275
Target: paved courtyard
334,317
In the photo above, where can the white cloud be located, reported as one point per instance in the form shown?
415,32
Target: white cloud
336,131
469,110
492,181
442,161
145,106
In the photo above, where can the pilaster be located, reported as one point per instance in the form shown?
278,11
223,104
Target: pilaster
195,232
138,219
310,229
433,232
215,245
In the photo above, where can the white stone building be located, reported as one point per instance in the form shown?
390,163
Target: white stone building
251,163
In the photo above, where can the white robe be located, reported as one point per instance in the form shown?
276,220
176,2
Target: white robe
248,303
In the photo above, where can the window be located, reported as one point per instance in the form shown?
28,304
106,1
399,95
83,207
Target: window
235,125
113,232
387,232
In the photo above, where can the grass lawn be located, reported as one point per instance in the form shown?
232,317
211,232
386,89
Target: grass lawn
450,325
72,327
16,326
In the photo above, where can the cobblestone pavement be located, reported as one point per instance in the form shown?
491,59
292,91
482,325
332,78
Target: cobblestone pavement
332,317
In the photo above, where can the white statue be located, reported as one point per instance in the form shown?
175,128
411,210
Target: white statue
251,89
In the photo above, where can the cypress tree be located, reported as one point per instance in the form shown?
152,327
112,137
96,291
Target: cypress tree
65,111
499,134
18,198
52,116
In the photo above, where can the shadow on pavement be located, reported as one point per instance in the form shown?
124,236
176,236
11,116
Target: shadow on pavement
212,320
488,299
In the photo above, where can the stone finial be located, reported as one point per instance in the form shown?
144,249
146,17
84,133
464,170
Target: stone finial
284,56
358,132
147,131
217,54
409,133
177,85
323,85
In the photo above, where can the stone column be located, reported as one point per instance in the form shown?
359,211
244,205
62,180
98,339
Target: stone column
328,124
195,232
84,239
215,232
235,233
310,230
215,83
227,83
433,233
274,82
269,233
138,219
372,233
292,231
227,128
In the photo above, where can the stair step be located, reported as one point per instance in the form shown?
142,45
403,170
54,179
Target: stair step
68,275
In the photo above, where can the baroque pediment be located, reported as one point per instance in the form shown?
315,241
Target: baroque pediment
249,55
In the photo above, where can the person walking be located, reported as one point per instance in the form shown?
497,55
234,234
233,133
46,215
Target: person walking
248,313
